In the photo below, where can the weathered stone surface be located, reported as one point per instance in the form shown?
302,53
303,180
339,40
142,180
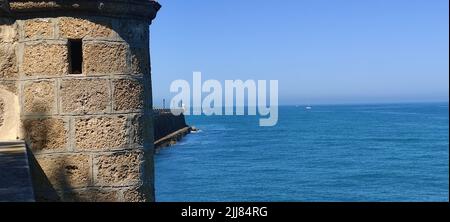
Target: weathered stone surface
45,59
100,133
134,32
42,28
138,194
105,58
148,94
39,97
66,171
9,85
10,115
47,135
91,195
77,28
8,30
137,130
128,95
83,96
142,10
141,130
2,111
8,61
118,169
140,61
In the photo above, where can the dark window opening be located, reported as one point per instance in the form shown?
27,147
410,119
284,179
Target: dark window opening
76,56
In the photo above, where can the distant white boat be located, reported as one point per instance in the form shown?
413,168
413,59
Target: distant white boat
308,107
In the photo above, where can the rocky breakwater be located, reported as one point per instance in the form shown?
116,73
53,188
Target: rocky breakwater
169,128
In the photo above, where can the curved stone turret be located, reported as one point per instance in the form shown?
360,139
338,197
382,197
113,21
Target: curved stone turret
80,70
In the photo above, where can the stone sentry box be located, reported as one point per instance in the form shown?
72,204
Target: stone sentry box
90,130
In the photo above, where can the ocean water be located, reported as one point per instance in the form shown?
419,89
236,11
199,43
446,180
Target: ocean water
394,152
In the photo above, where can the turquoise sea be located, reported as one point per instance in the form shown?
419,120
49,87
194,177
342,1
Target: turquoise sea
390,152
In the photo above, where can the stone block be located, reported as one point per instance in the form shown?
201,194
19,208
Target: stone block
66,171
40,97
46,135
140,61
8,30
105,58
45,59
8,61
38,28
118,169
101,133
84,96
141,130
142,193
128,95
10,86
134,32
137,130
78,28
148,95
2,111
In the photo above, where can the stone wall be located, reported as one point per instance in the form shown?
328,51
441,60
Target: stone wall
90,133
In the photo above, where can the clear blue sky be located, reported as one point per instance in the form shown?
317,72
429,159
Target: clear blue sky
321,51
